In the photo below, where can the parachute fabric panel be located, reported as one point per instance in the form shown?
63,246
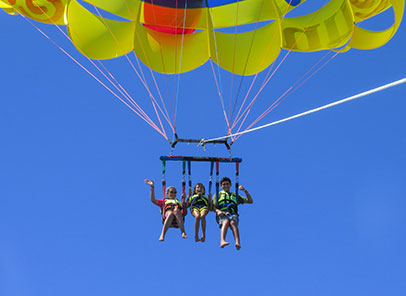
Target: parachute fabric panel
7,8
366,9
161,51
367,39
230,51
329,27
96,37
222,16
244,53
127,9
242,13
178,20
50,12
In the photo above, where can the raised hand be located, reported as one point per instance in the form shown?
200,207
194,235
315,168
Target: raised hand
149,182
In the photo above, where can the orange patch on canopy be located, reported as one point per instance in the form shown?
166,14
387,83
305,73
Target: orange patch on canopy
171,20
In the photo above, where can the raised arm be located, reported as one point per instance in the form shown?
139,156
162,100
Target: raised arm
152,193
249,198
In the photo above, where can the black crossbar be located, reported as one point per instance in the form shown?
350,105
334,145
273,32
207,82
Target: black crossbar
200,158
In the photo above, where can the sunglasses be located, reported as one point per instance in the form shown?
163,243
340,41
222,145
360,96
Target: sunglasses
170,191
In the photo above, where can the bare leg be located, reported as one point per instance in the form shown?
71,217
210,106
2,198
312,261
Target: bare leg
196,214
223,233
236,234
203,217
168,221
179,220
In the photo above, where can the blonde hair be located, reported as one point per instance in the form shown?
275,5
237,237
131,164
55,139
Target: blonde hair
169,188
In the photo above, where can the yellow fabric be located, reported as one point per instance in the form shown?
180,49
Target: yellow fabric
235,53
50,12
7,8
247,52
128,9
329,27
3,4
161,52
98,38
367,39
198,210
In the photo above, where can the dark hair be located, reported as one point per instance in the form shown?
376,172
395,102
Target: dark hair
225,179
201,185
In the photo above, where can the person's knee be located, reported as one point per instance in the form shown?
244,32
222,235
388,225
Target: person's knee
233,224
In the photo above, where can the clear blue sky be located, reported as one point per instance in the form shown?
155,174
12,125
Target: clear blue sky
329,189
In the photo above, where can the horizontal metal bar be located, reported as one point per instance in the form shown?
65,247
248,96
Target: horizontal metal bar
200,158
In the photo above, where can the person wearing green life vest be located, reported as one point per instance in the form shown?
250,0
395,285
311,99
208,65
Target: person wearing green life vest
226,208
199,205
172,207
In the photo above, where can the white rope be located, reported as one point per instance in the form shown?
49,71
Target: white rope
378,89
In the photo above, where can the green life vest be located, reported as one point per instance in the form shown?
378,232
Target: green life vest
172,203
227,202
198,199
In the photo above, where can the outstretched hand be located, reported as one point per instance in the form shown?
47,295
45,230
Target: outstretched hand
241,188
149,182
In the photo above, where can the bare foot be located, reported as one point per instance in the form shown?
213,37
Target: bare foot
223,244
203,239
184,235
197,239
161,239
238,246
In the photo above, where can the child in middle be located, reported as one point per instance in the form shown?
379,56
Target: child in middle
199,207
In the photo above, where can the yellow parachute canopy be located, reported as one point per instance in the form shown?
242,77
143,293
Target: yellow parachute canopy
334,27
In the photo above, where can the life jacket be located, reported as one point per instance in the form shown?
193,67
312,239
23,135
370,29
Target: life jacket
227,202
198,199
171,204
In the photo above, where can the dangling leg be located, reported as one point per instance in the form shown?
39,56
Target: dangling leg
168,221
236,233
203,218
179,220
196,214
223,234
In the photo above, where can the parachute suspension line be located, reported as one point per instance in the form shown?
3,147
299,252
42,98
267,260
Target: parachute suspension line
246,61
238,117
176,58
180,65
217,182
163,187
133,67
119,87
211,176
291,89
166,116
249,107
360,95
127,96
164,69
140,113
153,100
233,67
221,97
219,83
